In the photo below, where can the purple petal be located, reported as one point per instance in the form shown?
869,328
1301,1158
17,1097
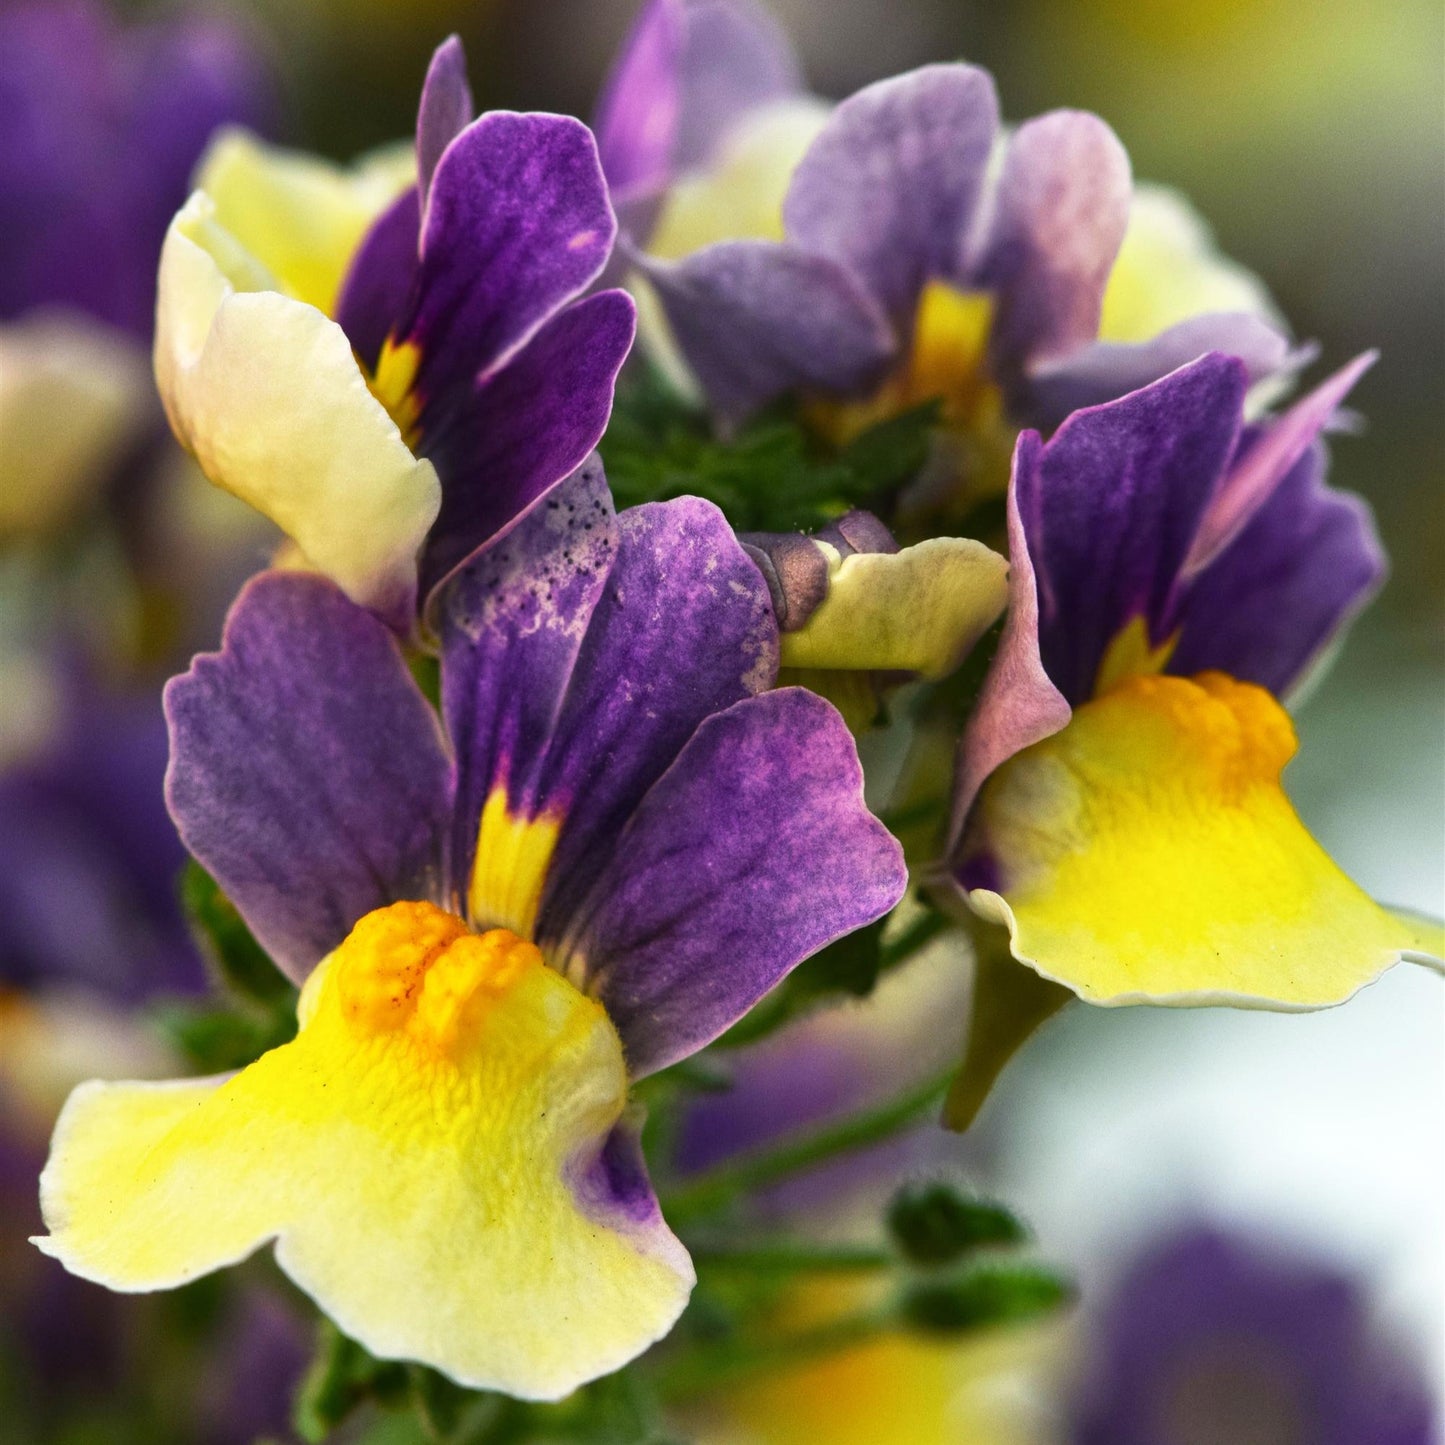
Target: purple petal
307,773
1106,370
446,108
735,58
523,429
580,653
512,621
1266,608
637,115
1061,211
1111,507
683,629
890,186
517,223
750,853
381,278
1260,469
755,320
1018,705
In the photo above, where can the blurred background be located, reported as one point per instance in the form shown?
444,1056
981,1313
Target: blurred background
1309,133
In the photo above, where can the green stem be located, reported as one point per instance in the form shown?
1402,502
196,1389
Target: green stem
786,1257
710,1190
921,931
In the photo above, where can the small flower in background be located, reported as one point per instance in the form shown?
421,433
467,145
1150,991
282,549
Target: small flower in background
439,374
1216,1335
442,1153
1174,572
900,250
100,125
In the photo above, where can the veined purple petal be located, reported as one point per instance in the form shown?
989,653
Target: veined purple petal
751,852
756,319
683,629
446,109
1268,605
637,114
307,772
523,429
517,223
1260,468
1111,507
890,186
512,620
1106,370
381,278
1061,211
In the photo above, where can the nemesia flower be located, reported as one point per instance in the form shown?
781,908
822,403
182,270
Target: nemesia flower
100,125
392,372
623,839
1213,1335
1174,573
902,249
856,612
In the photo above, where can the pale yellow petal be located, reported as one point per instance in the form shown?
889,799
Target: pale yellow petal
265,392
1169,270
1148,854
917,610
74,396
300,216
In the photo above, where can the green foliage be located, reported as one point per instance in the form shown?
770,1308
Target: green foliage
242,965
341,1377
933,1224
980,1298
772,476
258,1006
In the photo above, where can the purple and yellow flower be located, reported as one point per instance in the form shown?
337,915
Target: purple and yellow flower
1213,1335
905,249
100,125
621,839
392,371
1175,572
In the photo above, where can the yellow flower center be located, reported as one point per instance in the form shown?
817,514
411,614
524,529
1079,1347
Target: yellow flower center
416,967
392,385
947,363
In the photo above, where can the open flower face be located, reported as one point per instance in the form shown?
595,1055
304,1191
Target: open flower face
904,249
1174,573
392,372
621,839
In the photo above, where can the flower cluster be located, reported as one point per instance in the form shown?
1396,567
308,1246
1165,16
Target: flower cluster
543,796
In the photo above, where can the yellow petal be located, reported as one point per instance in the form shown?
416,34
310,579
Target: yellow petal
1148,854
301,217
264,390
1169,270
740,196
918,610
73,397
424,1153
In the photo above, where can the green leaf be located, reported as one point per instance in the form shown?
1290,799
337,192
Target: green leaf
218,1039
934,1224
342,1376
241,963
772,476
983,1297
